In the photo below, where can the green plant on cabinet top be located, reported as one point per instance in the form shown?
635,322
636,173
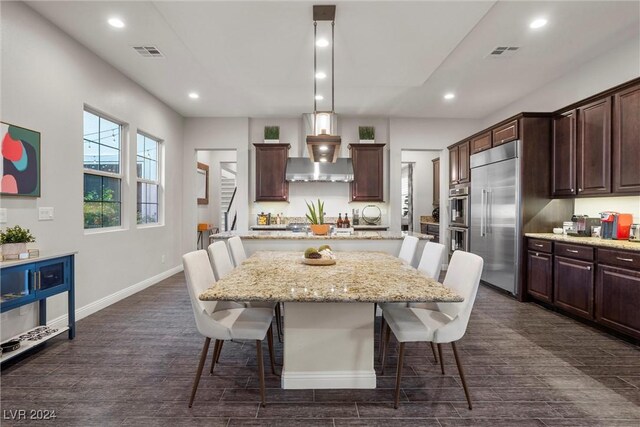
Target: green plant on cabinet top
271,132
367,133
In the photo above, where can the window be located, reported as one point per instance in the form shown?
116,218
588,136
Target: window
147,157
102,172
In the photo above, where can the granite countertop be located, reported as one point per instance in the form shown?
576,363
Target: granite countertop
591,241
425,219
290,235
356,277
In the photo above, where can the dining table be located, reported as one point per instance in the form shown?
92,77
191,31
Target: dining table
329,310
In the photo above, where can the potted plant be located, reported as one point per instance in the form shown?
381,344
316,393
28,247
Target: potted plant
271,134
316,218
367,134
14,241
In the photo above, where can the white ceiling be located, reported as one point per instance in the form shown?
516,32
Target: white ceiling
391,58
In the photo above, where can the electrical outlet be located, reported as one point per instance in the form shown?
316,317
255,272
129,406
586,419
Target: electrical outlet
3,215
24,309
162,259
45,214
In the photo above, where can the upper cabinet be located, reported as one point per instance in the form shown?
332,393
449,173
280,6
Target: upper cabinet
436,181
563,178
459,167
626,141
481,143
368,171
506,133
271,165
593,157
596,147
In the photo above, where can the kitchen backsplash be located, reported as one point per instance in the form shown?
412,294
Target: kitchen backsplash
594,205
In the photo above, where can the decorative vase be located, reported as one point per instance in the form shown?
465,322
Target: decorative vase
320,229
13,250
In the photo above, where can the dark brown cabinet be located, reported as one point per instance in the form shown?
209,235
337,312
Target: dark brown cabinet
431,230
626,141
368,171
540,275
506,133
618,299
593,148
574,286
271,164
459,167
563,179
481,143
436,181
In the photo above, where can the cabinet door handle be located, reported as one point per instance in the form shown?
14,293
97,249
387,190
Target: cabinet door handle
572,251
538,245
625,259
579,190
588,267
35,280
537,254
39,280
571,190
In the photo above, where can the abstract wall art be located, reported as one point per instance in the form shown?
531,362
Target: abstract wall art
20,168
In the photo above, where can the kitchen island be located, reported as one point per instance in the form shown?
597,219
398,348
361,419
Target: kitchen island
381,241
329,314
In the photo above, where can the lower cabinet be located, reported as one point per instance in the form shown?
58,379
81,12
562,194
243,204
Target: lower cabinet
540,276
618,299
574,284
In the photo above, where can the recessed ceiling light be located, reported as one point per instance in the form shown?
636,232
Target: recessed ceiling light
194,95
322,43
319,97
323,148
449,95
320,75
116,22
538,23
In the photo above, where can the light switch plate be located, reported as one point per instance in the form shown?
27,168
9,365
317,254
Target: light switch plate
45,214
3,215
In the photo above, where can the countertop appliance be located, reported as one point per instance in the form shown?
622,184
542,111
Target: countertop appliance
634,233
495,213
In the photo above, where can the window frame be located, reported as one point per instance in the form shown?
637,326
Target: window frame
120,176
158,181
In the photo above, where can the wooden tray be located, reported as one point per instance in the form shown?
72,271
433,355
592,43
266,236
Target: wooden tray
320,261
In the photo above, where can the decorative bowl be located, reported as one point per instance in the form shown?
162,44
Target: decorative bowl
319,261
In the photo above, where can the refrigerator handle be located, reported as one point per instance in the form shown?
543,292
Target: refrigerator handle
482,210
488,223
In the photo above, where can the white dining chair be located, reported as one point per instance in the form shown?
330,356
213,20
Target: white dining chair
237,250
431,265
220,325
446,325
221,263
408,249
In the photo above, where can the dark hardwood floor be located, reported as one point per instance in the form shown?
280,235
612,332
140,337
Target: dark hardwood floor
133,364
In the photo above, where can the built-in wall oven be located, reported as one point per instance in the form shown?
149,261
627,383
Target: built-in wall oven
459,218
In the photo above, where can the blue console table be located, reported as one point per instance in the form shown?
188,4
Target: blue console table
32,280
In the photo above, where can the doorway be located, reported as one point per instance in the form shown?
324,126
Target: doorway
417,187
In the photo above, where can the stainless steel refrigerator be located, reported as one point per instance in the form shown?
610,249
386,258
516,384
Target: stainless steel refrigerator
495,217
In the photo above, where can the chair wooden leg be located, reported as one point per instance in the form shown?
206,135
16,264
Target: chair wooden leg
461,372
433,350
214,358
272,357
219,351
279,321
261,371
385,348
399,376
203,359
441,359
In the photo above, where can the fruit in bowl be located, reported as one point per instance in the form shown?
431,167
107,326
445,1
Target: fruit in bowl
312,253
323,252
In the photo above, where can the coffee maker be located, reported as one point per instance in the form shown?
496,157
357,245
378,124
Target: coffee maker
582,225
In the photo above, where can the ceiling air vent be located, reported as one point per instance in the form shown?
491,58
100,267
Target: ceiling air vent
503,52
148,51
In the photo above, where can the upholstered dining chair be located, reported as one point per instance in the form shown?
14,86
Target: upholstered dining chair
220,325
430,264
408,249
221,263
448,324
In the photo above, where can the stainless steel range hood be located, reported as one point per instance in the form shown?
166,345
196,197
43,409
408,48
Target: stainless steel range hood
303,169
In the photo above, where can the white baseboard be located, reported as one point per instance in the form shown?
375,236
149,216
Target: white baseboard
328,379
105,302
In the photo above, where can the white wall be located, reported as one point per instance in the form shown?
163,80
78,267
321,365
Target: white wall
592,206
214,134
619,65
46,79
422,182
